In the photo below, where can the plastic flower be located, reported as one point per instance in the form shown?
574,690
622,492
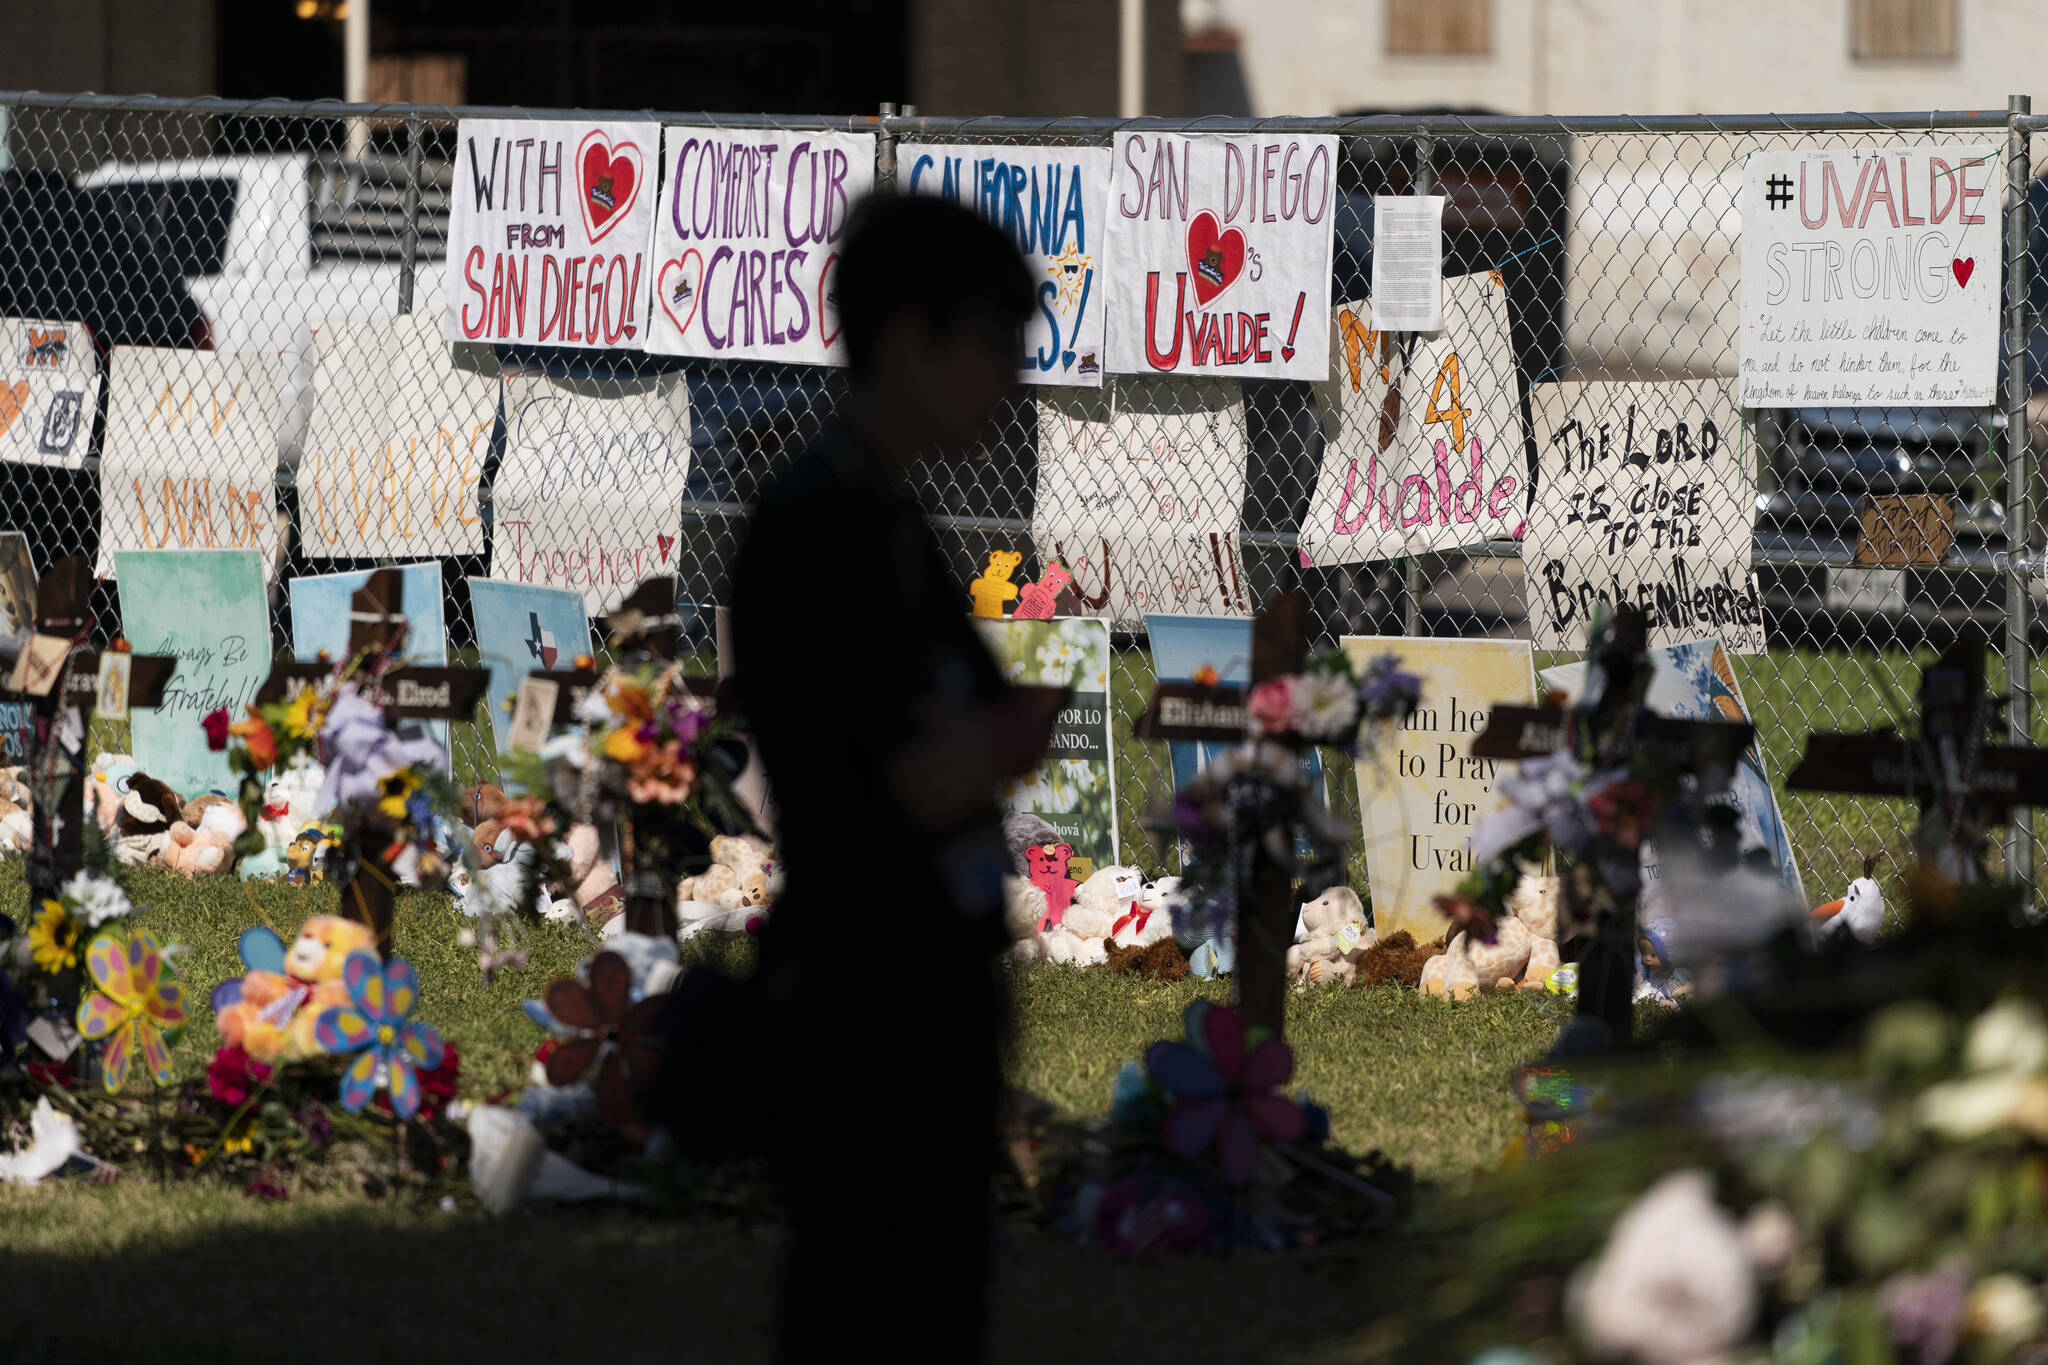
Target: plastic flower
53,938
300,720
374,1026
1272,704
1544,792
256,734
133,1008
359,752
97,899
215,723
1325,705
1673,1284
528,819
1621,808
1385,690
612,1035
233,1075
1224,1093
1925,1312
624,745
394,792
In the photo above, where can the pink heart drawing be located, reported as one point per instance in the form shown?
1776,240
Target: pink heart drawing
1963,269
665,543
609,176
828,297
683,292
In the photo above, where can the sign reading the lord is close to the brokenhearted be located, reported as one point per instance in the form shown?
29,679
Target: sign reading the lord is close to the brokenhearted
547,232
1219,254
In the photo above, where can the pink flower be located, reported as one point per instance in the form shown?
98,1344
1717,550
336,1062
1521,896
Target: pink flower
1272,704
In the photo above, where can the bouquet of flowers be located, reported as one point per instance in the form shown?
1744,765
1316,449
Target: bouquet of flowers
46,973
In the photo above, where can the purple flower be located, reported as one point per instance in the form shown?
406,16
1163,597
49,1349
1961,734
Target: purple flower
360,752
1385,689
1925,1312
313,1121
1225,1093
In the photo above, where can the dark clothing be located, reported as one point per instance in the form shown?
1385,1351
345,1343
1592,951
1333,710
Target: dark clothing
877,971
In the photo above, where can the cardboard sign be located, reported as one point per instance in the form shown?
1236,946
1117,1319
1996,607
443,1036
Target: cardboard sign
39,665
1051,202
1905,530
1422,433
747,240
210,609
190,459
547,232
110,697
1870,278
49,390
534,713
321,618
1695,681
1220,254
1140,492
589,494
1074,789
522,628
1647,498
396,444
1424,793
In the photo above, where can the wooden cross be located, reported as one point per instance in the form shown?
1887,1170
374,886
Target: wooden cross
1961,782
58,673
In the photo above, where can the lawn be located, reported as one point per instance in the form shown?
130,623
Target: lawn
197,1271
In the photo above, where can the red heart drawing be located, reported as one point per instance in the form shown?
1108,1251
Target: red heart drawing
1215,257
666,543
683,292
12,399
610,177
828,285
1962,269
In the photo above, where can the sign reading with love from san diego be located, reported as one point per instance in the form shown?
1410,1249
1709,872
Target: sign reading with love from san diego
1219,255
1870,278
547,232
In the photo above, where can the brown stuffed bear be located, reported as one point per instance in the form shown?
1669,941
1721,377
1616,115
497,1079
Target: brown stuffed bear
142,827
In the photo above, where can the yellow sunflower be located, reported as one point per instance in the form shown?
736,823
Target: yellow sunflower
393,792
53,938
299,720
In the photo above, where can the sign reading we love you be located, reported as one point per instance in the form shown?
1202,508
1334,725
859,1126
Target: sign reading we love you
747,239
1221,255
547,232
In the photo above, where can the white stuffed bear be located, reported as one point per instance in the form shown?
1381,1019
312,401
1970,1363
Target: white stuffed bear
1149,918
1330,937
497,889
1023,910
1108,893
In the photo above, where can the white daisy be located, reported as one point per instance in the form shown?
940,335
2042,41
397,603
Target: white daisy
98,899
1325,706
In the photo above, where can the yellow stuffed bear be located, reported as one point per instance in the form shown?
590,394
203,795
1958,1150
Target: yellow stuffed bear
273,1021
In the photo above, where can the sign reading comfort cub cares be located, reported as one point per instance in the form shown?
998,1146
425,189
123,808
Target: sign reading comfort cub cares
747,239
1049,200
1647,499
547,232
1870,278
1220,254
590,492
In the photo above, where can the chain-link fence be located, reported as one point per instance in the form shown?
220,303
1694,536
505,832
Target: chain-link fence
1577,251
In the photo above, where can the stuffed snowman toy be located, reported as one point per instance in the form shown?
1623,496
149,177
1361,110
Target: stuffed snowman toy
1859,912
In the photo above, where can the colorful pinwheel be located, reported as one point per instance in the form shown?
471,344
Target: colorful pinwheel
373,1026
1225,1093
613,1034
134,1007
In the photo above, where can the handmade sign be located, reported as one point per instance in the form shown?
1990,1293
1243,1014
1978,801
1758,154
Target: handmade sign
320,622
190,457
49,390
589,493
746,242
1871,277
1220,252
1694,680
1074,789
1422,801
396,444
1140,491
1647,497
208,608
17,614
547,232
1051,202
1903,530
1422,433
523,628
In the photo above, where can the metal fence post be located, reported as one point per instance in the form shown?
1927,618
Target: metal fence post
2019,475
409,230
1411,570
885,150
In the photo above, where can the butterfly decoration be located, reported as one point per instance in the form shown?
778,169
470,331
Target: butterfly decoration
135,1008
375,1026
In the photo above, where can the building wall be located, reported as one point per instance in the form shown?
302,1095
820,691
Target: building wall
116,47
1050,58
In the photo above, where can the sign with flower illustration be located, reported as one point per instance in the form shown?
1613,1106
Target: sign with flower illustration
1074,790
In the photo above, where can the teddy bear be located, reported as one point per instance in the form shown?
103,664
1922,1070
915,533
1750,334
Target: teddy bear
202,840
1523,953
17,803
505,866
993,587
1149,917
742,875
1038,600
1082,934
1047,864
1023,912
290,803
273,1016
1022,831
1330,938
592,885
107,782
142,826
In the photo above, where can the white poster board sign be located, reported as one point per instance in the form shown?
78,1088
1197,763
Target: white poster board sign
1647,497
190,456
547,232
747,239
396,444
1050,201
1870,277
1422,433
1219,254
49,389
590,490
1140,493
